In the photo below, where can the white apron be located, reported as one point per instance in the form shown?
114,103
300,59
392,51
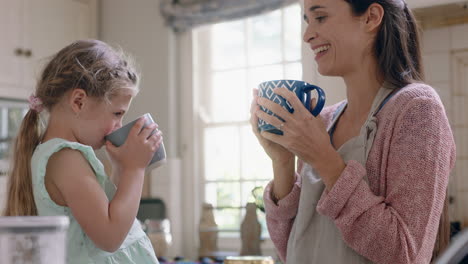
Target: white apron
314,238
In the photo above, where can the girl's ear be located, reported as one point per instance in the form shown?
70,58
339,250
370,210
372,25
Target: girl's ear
373,17
77,100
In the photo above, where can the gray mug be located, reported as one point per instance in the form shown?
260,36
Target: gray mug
119,136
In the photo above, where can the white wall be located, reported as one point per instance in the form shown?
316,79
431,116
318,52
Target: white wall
444,50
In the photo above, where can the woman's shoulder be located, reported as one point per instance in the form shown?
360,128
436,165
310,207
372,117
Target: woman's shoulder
417,90
415,93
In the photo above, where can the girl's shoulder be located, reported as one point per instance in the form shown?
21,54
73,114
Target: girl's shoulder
54,145
61,147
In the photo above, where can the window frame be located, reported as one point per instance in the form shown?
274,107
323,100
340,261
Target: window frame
201,76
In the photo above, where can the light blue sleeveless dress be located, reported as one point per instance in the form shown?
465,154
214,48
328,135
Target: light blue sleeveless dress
136,247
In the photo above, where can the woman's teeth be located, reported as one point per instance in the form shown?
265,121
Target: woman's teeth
321,49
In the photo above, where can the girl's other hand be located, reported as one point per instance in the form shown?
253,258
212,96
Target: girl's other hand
276,152
139,147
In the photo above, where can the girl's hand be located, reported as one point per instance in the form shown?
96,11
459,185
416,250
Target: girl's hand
304,135
138,149
275,151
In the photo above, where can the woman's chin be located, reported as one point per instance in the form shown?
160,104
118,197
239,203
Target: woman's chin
326,71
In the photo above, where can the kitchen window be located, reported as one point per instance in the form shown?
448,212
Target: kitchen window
230,59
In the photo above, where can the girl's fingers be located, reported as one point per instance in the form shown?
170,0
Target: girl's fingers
146,132
136,129
110,147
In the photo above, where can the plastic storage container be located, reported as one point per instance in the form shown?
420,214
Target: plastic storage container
33,239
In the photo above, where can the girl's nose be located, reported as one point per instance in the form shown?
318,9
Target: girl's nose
118,125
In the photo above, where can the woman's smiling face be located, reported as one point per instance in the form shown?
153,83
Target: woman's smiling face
337,37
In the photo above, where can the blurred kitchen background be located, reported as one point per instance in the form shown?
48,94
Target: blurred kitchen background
199,61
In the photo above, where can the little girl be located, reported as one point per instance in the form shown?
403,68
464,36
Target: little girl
86,89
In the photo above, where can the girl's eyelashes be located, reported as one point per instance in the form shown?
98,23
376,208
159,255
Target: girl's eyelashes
119,113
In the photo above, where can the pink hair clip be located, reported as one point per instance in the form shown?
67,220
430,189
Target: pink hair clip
35,103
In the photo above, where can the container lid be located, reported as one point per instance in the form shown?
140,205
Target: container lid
27,224
249,260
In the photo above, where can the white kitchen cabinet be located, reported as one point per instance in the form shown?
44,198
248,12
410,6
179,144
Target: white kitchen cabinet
32,31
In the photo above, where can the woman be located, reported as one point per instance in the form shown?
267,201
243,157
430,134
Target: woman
373,170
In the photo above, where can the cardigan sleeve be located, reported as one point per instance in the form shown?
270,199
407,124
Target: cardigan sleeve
401,225
280,216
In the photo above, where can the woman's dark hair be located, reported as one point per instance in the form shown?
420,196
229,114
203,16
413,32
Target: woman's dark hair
397,45
398,52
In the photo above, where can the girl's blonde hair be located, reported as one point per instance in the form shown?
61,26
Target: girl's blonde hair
91,65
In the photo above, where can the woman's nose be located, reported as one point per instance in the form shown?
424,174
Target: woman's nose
309,34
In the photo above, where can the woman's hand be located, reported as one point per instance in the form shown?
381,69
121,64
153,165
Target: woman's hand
276,152
303,134
138,149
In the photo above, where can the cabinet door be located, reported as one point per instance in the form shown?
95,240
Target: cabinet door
50,26
81,19
10,32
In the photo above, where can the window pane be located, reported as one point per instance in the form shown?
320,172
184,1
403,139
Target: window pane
255,162
292,33
221,153
228,37
227,218
265,39
258,75
246,189
211,194
228,99
227,194
293,71
240,55
262,74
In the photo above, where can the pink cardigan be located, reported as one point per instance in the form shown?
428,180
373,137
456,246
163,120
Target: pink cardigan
393,218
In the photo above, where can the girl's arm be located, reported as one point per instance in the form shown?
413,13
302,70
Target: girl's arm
105,222
401,226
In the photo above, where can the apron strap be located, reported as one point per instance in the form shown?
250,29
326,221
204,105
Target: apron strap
386,100
335,114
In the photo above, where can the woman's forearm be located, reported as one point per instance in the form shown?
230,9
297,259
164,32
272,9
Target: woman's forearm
284,178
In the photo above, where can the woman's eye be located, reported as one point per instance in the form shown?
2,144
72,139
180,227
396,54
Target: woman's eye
118,114
320,18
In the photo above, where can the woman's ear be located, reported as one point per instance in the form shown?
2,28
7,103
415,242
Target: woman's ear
77,100
374,16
